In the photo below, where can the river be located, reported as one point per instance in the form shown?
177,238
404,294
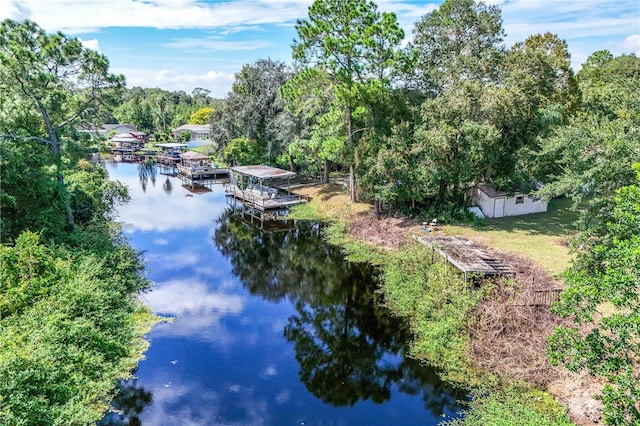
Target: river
266,328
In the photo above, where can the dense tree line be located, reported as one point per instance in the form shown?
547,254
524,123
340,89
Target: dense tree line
417,126
159,111
71,324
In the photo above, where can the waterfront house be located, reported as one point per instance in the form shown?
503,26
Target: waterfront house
196,131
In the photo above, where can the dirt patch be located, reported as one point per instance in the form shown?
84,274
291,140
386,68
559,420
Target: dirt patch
511,324
387,232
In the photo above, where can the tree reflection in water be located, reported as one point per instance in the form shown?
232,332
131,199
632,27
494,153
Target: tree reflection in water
127,405
349,347
167,186
147,171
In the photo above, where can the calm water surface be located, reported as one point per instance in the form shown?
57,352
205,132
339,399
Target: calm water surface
270,328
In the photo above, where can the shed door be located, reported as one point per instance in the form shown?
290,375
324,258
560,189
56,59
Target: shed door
498,207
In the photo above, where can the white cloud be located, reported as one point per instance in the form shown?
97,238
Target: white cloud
283,396
169,408
572,30
15,10
632,44
172,79
174,260
187,403
91,44
189,296
270,371
72,16
196,310
217,44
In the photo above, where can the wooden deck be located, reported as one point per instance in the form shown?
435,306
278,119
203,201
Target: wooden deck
264,201
202,173
168,160
467,256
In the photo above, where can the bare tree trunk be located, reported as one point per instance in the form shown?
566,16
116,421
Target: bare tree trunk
325,177
292,164
55,148
352,168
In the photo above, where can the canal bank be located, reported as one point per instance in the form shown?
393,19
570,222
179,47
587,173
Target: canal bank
462,332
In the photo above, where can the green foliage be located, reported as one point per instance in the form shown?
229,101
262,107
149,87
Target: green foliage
69,330
242,151
607,344
438,304
70,321
459,40
355,47
513,407
255,110
63,81
201,116
28,200
92,194
56,79
161,111
458,75
591,155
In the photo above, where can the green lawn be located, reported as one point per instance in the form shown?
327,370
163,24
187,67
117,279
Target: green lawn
542,237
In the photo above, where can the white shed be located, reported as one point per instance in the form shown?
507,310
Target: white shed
495,204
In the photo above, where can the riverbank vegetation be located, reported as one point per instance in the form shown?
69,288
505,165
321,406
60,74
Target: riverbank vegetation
470,334
71,324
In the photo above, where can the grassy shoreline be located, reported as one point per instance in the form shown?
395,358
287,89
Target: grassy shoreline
439,306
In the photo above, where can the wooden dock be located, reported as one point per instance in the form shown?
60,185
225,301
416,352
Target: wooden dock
260,192
202,175
259,201
470,258
195,169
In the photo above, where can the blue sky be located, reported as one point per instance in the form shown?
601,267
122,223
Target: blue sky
184,44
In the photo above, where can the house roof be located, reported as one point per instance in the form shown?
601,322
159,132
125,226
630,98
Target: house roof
193,156
124,137
172,145
202,128
106,128
262,171
109,127
492,191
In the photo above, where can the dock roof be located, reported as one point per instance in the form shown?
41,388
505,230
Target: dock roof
193,156
262,171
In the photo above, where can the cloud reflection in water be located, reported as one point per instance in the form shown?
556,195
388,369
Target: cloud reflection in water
196,310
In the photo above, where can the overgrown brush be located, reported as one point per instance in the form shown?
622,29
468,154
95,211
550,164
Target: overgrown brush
513,407
438,305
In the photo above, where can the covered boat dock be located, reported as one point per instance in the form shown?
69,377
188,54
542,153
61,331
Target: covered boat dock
262,192
169,156
196,169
